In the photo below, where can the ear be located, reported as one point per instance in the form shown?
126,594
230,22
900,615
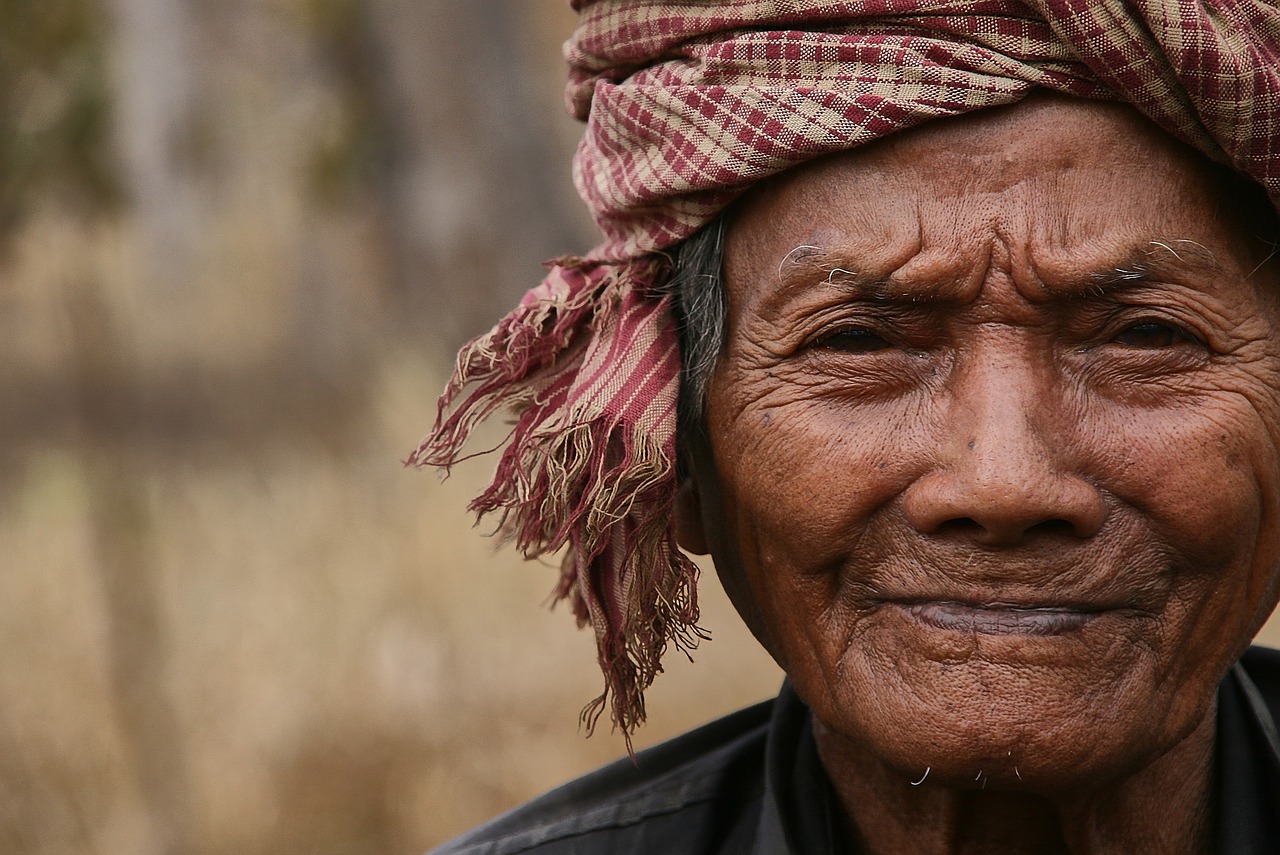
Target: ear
690,533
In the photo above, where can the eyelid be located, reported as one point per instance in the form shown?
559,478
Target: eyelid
828,335
1142,315
882,317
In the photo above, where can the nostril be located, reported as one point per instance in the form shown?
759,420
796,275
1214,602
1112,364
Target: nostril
961,503
1058,527
994,532
965,526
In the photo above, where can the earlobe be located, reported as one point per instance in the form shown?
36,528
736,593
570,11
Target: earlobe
690,533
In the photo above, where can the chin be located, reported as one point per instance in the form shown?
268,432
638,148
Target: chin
1039,714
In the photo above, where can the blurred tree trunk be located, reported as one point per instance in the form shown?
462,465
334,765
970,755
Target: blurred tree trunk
473,179
152,55
109,400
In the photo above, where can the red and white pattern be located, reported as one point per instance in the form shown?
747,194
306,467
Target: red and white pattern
689,103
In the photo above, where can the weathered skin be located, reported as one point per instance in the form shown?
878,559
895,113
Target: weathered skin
1004,515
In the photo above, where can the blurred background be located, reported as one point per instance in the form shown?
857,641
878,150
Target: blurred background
239,243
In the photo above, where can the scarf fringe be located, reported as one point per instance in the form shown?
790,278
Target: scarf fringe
581,472
503,367
639,590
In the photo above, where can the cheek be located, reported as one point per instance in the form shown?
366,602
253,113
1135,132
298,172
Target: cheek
802,483
804,478
1201,482
1203,476
1191,475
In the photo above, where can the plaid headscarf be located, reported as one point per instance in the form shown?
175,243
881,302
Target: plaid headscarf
689,103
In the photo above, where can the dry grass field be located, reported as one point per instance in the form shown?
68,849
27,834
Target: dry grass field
264,634
231,622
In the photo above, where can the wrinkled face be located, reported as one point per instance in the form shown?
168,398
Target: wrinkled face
992,466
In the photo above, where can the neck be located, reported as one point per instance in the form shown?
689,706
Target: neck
1161,809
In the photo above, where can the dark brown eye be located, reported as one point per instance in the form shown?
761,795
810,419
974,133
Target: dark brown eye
854,340
1152,334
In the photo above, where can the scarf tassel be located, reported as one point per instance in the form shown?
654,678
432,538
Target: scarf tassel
588,364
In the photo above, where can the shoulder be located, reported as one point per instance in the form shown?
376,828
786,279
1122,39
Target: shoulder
690,794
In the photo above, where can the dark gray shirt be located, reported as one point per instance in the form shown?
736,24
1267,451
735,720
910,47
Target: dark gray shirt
751,784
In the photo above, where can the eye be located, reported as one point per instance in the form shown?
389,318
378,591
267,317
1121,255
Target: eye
853,340
1151,334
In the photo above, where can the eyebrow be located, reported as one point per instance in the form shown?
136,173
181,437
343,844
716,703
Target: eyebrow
1157,260
806,266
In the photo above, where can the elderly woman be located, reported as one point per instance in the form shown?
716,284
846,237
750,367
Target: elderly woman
979,420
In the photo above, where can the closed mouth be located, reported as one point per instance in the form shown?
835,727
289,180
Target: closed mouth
1000,619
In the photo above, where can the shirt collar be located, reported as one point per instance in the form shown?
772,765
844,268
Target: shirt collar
799,804
1247,768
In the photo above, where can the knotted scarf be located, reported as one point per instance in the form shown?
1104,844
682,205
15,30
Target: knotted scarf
686,105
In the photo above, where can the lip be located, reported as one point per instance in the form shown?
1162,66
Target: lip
1000,619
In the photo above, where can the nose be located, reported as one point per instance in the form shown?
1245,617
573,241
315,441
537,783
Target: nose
1002,474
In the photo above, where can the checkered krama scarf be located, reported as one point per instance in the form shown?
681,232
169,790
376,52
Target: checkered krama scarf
689,103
